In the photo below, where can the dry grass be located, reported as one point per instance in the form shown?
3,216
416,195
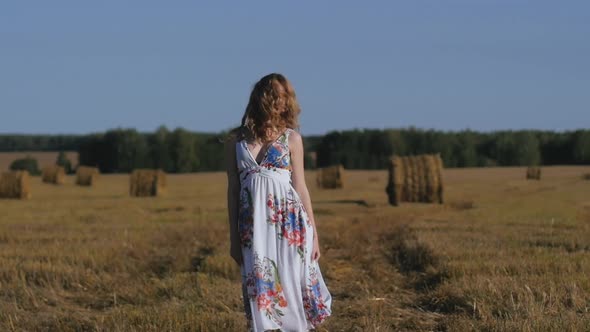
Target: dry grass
515,259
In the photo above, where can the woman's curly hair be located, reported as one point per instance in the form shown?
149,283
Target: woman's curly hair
270,96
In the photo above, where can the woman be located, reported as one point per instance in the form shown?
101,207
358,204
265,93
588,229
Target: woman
272,228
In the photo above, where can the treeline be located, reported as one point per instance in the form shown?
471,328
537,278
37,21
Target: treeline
370,149
19,142
176,151
180,150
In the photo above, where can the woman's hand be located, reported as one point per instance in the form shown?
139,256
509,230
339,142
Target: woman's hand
315,253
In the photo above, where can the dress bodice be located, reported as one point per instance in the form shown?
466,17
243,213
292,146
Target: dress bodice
276,162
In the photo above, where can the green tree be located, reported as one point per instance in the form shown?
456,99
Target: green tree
125,150
160,155
398,143
464,149
26,164
581,146
210,156
63,161
518,148
183,151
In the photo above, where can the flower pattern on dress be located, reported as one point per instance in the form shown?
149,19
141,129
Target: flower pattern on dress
277,155
245,173
264,285
245,218
286,214
315,308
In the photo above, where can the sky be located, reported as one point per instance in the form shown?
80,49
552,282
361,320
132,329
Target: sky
75,67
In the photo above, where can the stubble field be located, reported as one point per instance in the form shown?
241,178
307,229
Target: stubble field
502,254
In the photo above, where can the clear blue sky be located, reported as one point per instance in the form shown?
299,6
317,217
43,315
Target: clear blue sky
86,66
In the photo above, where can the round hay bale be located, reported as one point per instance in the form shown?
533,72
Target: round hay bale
15,184
395,180
53,174
147,182
87,176
331,177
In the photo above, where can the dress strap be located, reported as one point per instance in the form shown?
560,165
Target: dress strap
287,133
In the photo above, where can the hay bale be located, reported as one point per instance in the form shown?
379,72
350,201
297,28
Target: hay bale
438,177
147,182
408,179
53,174
431,178
87,176
395,180
412,190
15,184
330,177
420,179
415,179
533,173
426,178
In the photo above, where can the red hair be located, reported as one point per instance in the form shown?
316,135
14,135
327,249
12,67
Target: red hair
272,105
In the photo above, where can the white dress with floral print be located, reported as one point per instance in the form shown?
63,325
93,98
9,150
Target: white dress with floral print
282,286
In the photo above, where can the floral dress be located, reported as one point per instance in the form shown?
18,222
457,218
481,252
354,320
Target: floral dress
282,286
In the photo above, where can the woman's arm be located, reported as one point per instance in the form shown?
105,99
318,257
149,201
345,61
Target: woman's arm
233,197
298,179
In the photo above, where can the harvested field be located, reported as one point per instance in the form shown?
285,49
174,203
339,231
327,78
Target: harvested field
501,254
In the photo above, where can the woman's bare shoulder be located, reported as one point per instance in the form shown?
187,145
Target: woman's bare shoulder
295,139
